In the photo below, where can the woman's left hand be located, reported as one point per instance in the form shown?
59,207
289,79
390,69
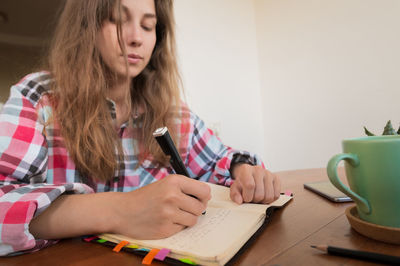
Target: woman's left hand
254,184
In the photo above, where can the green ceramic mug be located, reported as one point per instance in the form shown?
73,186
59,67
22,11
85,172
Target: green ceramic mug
372,167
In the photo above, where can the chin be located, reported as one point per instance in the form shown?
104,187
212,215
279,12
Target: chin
134,74
131,74
134,71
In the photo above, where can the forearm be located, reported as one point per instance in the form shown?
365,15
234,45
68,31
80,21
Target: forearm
75,215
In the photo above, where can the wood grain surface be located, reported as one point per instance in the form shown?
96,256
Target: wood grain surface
308,219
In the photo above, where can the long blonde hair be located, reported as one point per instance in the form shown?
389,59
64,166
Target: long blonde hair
81,81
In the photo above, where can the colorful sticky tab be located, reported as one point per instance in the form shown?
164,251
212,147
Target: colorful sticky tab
150,256
101,240
143,249
120,245
132,246
288,193
162,254
88,239
187,261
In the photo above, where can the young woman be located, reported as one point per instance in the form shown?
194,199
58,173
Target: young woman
85,126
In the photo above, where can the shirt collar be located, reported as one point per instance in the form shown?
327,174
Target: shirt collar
113,112
112,108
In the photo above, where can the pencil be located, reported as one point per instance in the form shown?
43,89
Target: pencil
361,255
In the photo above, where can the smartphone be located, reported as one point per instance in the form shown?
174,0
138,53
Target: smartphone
327,190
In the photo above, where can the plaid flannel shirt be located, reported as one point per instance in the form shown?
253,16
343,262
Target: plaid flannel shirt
35,167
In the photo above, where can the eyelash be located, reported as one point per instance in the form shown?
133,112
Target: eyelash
123,20
147,28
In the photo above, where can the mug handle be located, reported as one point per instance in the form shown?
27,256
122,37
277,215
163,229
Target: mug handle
354,161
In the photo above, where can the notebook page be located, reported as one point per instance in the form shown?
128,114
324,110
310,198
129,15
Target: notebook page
210,237
224,228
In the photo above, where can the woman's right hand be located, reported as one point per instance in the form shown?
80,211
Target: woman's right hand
160,209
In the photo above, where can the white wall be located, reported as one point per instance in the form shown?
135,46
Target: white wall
327,69
218,58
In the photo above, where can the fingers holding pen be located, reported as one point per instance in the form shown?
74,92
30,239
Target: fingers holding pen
191,196
162,208
200,190
186,194
191,202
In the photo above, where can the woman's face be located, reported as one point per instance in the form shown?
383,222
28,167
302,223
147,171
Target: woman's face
138,36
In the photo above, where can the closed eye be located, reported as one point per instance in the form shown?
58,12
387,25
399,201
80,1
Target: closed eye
148,28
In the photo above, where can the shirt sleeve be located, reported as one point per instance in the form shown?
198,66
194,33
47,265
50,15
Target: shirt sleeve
208,159
24,193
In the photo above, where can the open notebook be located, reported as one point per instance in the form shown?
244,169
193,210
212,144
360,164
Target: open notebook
217,236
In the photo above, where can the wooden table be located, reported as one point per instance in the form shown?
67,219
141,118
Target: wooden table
307,220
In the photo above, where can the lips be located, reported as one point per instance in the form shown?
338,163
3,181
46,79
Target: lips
134,58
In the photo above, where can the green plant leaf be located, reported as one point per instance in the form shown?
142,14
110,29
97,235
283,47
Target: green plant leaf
367,132
388,130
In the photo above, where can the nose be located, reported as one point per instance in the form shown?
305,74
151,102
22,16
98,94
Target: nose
133,34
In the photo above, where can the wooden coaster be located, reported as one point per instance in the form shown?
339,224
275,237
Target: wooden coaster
378,232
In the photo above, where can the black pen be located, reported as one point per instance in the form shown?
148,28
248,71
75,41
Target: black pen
167,145
361,255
